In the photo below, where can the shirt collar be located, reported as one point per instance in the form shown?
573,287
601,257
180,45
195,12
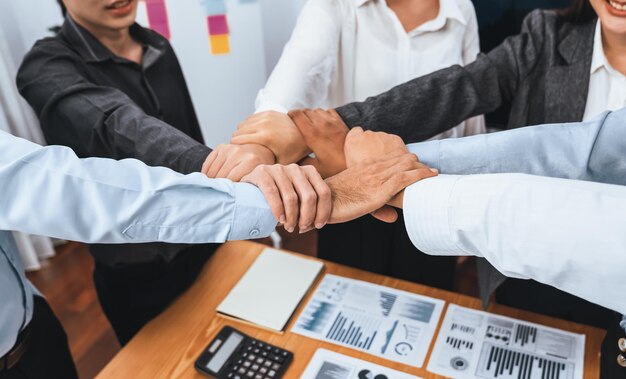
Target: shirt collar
598,59
92,50
448,9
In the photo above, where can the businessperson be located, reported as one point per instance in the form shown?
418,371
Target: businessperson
564,233
563,67
50,191
106,87
342,51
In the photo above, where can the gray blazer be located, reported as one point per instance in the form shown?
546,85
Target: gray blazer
543,72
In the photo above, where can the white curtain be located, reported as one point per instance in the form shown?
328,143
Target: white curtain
17,118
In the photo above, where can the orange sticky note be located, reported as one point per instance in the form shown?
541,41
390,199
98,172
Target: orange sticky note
220,44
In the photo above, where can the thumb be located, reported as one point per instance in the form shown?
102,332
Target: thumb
385,214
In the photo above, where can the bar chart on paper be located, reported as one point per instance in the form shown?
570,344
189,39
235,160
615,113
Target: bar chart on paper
382,321
478,345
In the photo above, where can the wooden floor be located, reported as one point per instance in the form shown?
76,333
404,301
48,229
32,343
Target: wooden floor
66,281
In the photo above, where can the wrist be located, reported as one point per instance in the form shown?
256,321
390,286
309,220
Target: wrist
397,201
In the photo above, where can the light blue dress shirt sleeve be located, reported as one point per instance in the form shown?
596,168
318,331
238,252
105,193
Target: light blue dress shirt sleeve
591,151
565,233
50,191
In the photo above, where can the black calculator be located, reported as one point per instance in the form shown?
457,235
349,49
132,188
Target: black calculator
234,355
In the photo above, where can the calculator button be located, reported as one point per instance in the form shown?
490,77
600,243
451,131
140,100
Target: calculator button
275,367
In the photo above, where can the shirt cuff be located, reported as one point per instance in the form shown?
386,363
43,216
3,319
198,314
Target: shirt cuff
252,217
426,215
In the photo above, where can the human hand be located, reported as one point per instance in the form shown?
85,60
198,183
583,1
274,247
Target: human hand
325,133
366,187
275,131
296,194
363,146
235,161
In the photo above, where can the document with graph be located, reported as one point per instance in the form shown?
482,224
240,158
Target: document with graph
327,364
382,321
475,344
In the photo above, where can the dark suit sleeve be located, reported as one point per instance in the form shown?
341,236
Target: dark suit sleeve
429,105
99,121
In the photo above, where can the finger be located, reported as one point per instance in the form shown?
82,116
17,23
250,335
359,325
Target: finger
209,160
307,196
246,139
404,179
268,187
227,167
239,171
324,197
386,214
288,195
217,164
303,122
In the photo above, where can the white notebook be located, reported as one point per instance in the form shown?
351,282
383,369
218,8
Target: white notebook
271,290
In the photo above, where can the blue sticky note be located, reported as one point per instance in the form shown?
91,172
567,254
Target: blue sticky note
213,7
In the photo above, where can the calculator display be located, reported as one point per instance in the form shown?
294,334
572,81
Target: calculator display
218,360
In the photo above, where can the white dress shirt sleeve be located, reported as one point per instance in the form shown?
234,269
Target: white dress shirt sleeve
50,191
301,78
565,233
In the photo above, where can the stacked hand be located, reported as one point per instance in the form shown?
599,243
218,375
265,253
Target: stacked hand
366,171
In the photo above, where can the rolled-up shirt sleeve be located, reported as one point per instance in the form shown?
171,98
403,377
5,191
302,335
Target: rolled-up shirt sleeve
50,191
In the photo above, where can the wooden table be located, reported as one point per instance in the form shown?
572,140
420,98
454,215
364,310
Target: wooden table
168,346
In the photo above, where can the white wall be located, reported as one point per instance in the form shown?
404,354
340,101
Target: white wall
223,88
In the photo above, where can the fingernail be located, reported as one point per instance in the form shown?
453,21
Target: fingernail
282,219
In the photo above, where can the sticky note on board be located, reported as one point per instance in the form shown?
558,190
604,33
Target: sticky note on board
157,17
213,7
217,25
220,44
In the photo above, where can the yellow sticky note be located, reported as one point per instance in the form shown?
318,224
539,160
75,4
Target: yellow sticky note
220,44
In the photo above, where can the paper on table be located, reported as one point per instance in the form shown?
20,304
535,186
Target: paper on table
326,364
382,321
270,291
475,344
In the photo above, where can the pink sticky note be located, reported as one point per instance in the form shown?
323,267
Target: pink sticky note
157,17
218,25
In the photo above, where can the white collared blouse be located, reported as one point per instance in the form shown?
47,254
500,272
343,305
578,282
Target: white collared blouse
347,50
